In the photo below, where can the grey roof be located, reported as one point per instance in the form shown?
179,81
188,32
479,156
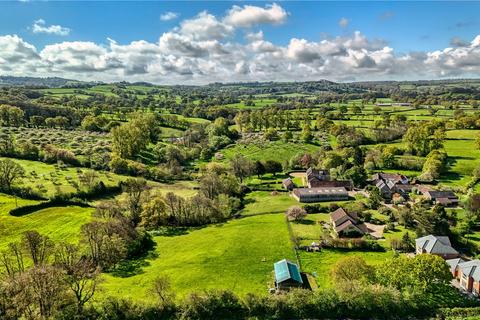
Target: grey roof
453,263
442,194
471,269
435,245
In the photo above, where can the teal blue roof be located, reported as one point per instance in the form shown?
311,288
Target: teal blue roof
285,270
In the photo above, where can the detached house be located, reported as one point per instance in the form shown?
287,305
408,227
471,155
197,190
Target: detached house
346,224
467,274
437,245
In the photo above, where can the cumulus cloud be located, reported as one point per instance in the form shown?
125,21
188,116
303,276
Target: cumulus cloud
207,48
343,22
167,16
205,26
39,26
248,15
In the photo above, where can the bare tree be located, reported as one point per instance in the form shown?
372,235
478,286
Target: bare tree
38,246
81,274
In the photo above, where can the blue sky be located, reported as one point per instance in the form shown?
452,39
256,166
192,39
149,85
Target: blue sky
406,27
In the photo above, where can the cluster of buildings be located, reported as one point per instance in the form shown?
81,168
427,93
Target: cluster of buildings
392,185
466,272
320,187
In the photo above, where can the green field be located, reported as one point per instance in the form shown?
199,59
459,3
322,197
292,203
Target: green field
48,179
320,263
237,255
59,223
277,150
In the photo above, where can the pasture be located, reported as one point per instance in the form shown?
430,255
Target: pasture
237,255
59,223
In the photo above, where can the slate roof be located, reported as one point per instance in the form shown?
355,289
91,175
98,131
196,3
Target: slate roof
471,269
286,270
453,263
340,213
435,245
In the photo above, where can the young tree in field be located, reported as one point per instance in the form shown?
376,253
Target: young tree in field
162,289
296,213
10,172
154,212
241,167
135,190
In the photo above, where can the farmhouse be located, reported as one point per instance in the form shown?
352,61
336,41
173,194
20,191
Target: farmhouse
390,183
445,198
287,275
320,194
437,245
467,273
346,224
289,184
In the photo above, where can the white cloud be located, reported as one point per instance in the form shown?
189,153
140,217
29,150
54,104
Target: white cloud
343,22
206,48
248,16
39,26
205,26
167,16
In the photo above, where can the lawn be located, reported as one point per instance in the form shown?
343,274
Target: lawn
320,263
264,202
237,255
59,223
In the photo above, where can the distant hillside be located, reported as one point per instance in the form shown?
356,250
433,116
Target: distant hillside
50,82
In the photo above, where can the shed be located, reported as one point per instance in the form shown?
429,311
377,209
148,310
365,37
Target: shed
287,275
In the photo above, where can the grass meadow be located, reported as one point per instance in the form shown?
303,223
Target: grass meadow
237,255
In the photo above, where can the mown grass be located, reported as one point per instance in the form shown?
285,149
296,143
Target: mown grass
59,223
263,202
237,255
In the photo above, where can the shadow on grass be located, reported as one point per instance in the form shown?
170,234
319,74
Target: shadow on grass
304,222
134,266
